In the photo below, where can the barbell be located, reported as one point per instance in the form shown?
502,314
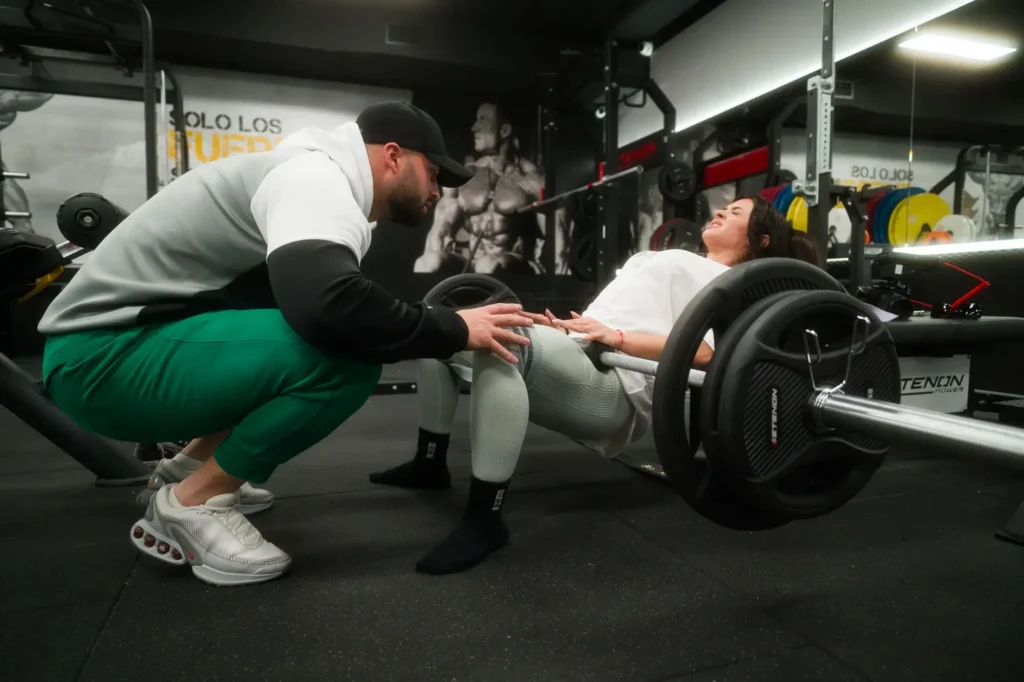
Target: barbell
798,405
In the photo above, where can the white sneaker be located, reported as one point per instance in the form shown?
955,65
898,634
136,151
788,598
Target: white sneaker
175,470
219,543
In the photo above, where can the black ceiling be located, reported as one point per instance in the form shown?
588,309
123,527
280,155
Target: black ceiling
484,41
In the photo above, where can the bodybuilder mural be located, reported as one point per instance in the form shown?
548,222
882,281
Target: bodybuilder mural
476,228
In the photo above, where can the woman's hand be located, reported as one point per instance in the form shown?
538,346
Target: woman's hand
545,320
593,330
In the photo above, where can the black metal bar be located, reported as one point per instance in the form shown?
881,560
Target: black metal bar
608,237
775,127
1011,208
396,387
858,219
960,179
664,104
20,394
3,193
148,96
548,127
33,53
940,186
130,93
181,158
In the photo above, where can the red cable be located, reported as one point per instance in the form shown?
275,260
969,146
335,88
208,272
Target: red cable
983,284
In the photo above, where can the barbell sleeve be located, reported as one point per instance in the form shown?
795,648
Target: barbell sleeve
924,429
15,175
644,366
18,214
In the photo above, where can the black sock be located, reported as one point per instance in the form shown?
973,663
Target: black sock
432,447
481,532
428,469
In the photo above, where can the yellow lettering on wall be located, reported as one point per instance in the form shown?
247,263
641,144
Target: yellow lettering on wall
198,146
233,144
206,147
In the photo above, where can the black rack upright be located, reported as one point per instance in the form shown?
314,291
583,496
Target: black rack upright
614,80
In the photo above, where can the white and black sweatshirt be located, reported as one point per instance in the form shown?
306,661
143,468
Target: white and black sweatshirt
283,229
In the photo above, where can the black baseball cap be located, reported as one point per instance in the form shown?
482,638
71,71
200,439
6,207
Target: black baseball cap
412,128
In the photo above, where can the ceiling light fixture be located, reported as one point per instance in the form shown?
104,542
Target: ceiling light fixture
959,48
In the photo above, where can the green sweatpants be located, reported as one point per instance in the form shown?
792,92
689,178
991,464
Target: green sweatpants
244,370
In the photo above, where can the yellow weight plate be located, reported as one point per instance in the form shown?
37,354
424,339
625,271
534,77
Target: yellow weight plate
797,214
915,213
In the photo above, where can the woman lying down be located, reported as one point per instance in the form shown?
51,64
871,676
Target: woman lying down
555,385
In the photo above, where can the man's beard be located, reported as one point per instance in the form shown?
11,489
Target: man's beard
406,209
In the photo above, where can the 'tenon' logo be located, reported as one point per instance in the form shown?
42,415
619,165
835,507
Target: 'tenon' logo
941,383
774,416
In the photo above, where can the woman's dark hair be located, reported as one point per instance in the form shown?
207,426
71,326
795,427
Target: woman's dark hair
783,240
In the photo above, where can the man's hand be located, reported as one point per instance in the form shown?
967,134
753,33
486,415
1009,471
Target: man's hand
487,328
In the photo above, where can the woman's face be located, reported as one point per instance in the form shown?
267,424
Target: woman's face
727,231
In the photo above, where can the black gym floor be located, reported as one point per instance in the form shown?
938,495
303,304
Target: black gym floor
608,576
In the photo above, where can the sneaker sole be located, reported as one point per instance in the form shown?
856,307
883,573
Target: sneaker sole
143,497
222,579
153,543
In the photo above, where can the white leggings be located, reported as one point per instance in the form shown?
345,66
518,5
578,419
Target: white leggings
554,385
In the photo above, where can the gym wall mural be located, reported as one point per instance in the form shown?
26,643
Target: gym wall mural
97,145
478,227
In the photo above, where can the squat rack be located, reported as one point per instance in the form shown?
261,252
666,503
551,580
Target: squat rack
35,40
608,238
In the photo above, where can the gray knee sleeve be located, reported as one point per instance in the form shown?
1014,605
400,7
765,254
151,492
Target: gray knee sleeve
437,392
499,415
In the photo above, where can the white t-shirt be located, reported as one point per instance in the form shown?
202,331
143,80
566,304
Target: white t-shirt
647,297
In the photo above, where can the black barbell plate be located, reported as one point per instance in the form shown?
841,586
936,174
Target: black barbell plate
471,290
715,307
753,517
677,181
85,219
770,453
677,233
583,257
715,377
